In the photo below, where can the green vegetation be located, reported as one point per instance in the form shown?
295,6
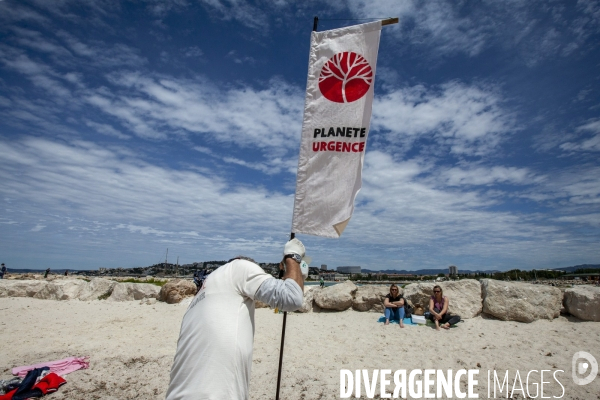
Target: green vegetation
515,274
152,281
587,271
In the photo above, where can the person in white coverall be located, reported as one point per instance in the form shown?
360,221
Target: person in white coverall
214,350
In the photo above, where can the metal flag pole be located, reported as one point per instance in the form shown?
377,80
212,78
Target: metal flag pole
292,235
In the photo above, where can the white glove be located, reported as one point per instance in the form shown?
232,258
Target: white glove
304,269
294,246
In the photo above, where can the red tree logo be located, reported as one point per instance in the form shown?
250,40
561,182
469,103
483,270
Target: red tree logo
345,78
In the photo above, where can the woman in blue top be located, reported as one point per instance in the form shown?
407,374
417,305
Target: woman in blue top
394,306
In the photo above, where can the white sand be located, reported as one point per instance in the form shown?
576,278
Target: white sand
131,348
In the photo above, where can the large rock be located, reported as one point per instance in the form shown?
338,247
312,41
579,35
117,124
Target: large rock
524,302
97,288
133,291
176,290
309,296
464,296
583,302
419,294
20,288
370,298
59,289
337,297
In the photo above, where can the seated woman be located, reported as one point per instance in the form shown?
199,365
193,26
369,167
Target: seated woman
438,306
394,306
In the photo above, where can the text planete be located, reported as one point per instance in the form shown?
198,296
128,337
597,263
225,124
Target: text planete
339,146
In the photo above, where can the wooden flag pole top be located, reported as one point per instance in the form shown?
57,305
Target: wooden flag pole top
389,21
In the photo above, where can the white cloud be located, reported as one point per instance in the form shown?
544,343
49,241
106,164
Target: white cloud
457,176
239,11
240,59
39,74
467,119
537,30
150,105
592,126
415,205
161,8
571,191
128,116
592,144
438,24
13,11
103,55
584,219
202,149
38,228
144,230
587,144
111,185
193,51
36,41
108,195
265,118
106,129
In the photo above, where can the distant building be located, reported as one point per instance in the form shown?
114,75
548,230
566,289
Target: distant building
348,270
401,275
323,267
453,270
332,276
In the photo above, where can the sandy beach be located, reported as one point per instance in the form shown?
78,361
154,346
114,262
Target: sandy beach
131,347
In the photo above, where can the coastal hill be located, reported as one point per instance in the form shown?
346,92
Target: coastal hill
576,267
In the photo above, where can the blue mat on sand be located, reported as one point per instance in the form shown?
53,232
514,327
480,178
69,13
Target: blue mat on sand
407,321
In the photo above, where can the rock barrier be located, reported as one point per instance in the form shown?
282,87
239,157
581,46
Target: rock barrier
337,297
174,291
133,291
508,301
522,302
583,302
77,289
370,298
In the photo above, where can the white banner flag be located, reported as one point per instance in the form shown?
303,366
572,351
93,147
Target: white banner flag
337,112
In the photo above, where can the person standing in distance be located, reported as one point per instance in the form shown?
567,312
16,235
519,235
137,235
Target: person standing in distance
2,271
214,350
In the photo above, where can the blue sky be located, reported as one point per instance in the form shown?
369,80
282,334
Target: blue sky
127,128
